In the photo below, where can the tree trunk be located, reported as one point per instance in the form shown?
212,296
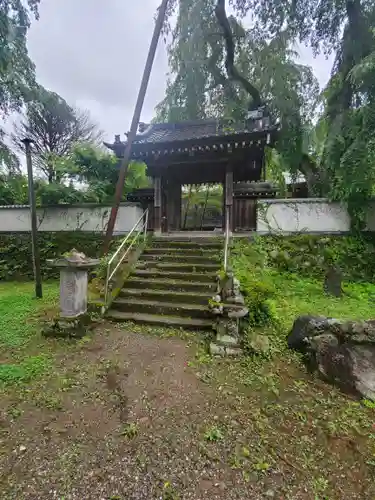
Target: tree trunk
232,71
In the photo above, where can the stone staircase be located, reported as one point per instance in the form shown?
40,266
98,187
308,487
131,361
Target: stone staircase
172,284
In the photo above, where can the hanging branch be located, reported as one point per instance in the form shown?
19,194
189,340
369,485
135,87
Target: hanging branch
220,78
232,71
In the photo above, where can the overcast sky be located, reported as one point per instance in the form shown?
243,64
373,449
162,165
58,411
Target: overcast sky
92,53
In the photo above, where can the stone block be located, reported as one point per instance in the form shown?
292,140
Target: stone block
227,340
73,292
217,350
233,351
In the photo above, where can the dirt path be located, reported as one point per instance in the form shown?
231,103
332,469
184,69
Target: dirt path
129,416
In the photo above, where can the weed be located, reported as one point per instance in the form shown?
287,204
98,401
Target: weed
261,466
368,403
14,412
213,434
201,357
51,402
67,383
320,485
130,430
169,492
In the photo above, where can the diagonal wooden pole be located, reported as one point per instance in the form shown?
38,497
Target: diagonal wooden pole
135,121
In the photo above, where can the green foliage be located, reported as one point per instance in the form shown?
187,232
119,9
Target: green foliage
337,156
278,285
17,304
25,371
13,189
54,127
15,251
85,175
200,88
18,326
213,434
17,72
256,284
99,171
311,256
130,430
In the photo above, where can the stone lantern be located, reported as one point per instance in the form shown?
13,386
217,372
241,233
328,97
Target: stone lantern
74,268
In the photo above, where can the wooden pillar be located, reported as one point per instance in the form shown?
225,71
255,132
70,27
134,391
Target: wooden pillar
228,197
157,205
174,206
177,207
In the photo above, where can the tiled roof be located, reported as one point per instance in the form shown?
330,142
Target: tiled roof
190,130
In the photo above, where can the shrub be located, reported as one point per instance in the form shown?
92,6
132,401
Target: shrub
16,258
310,255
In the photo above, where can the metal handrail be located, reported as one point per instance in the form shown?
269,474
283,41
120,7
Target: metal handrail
226,244
141,231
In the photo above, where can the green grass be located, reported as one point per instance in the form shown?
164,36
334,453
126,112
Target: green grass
19,327
31,367
277,296
18,307
296,295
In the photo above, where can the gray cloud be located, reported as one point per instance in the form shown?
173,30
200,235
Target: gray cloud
93,52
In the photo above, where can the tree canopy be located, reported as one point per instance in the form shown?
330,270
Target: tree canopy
17,72
221,72
54,127
333,148
86,175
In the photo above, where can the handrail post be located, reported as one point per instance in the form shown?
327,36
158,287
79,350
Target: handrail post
226,244
107,284
146,226
131,239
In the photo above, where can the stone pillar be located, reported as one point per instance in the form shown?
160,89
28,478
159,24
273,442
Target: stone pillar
228,197
157,206
74,269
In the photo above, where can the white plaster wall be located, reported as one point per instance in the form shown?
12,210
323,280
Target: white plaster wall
70,218
302,215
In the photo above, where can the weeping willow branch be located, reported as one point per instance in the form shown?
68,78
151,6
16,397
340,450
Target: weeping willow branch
220,79
232,71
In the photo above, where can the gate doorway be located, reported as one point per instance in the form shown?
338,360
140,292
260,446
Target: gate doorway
202,207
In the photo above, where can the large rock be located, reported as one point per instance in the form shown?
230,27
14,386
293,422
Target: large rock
343,352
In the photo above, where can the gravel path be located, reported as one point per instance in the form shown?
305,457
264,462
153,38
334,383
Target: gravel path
129,417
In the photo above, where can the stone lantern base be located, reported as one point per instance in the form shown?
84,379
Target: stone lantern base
73,320
77,327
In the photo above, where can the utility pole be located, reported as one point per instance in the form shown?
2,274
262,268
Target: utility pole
34,241
135,121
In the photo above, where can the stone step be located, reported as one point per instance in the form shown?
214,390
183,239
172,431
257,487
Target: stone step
208,244
166,284
138,305
179,267
179,258
163,321
174,275
199,251
195,297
